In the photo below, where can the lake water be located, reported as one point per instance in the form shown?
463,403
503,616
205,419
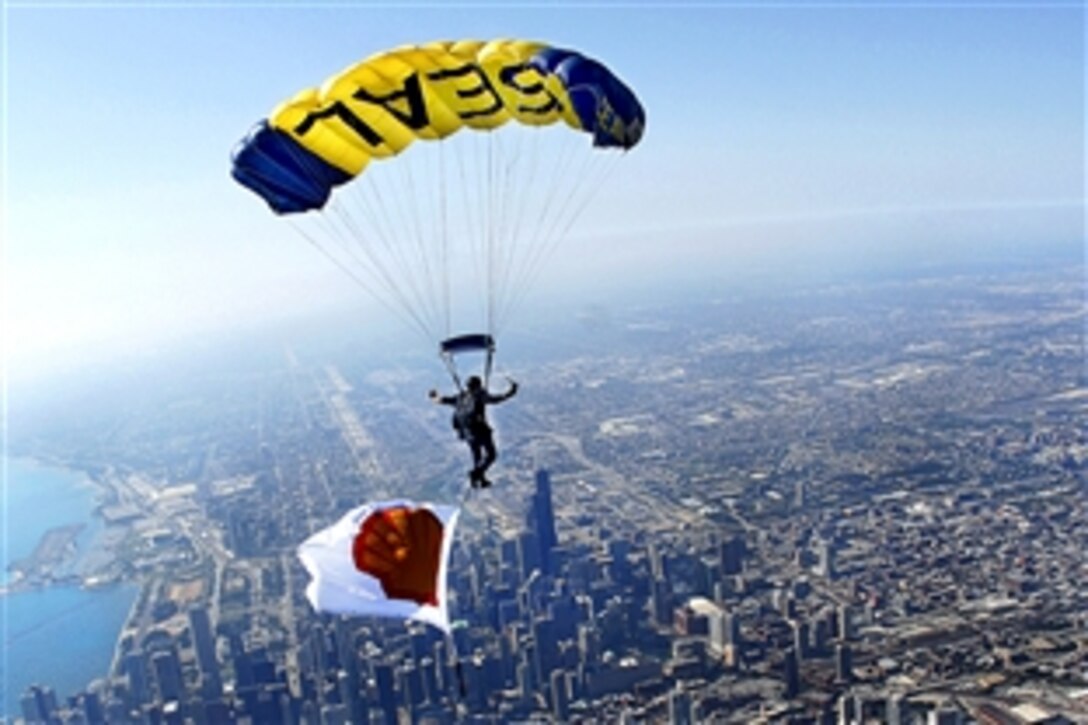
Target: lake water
62,637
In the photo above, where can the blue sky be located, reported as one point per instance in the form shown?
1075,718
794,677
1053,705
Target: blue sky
782,132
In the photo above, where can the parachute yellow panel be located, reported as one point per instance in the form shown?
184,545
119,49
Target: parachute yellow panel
377,108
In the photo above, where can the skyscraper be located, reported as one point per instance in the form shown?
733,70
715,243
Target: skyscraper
387,698
204,645
544,648
661,602
844,667
560,695
800,639
731,554
39,703
410,681
134,666
825,565
443,673
91,705
352,696
679,707
167,668
541,520
528,555
791,673
846,623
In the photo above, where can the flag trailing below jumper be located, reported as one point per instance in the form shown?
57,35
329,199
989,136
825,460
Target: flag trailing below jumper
385,559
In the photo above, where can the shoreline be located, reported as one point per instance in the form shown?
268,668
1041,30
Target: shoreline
58,547
55,559
62,573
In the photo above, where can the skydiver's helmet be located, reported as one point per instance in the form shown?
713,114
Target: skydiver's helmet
473,383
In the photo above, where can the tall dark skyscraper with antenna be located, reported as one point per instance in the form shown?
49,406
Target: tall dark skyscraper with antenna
541,519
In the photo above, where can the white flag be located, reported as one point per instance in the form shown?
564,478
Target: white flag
386,559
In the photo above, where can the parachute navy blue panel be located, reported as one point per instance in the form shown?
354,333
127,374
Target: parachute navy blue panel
283,172
467,343
596,94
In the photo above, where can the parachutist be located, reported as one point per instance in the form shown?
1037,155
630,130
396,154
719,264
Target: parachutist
470,422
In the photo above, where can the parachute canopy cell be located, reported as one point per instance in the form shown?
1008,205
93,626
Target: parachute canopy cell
375,109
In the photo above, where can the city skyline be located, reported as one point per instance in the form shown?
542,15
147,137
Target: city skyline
800,428
834,504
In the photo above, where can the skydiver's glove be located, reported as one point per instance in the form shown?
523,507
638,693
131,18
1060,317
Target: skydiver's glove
433,394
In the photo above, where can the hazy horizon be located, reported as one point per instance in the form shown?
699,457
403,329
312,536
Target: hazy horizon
781,141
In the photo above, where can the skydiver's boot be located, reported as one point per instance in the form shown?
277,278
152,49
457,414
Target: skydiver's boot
475,478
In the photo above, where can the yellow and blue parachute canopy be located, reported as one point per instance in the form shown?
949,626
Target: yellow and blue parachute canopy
375,109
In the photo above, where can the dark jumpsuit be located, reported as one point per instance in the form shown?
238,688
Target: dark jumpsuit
470,421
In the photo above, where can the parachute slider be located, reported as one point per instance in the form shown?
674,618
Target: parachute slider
476,342
467,343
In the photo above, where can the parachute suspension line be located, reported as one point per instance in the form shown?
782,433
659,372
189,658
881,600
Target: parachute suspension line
518,188
605,171
547,210
423,195
398,217
514,190
537,134
343,240
490,232
479,238
575,192
471,220
414,259
488,362
489,238
407,320
447,360
414,200
515,187
377,214
403,294
554,231
342,237
455,187
373,263
497,182
448,302
511,187
517,249
479,235
434,184
440,235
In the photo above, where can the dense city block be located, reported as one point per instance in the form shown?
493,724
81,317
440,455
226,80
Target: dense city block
841,504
